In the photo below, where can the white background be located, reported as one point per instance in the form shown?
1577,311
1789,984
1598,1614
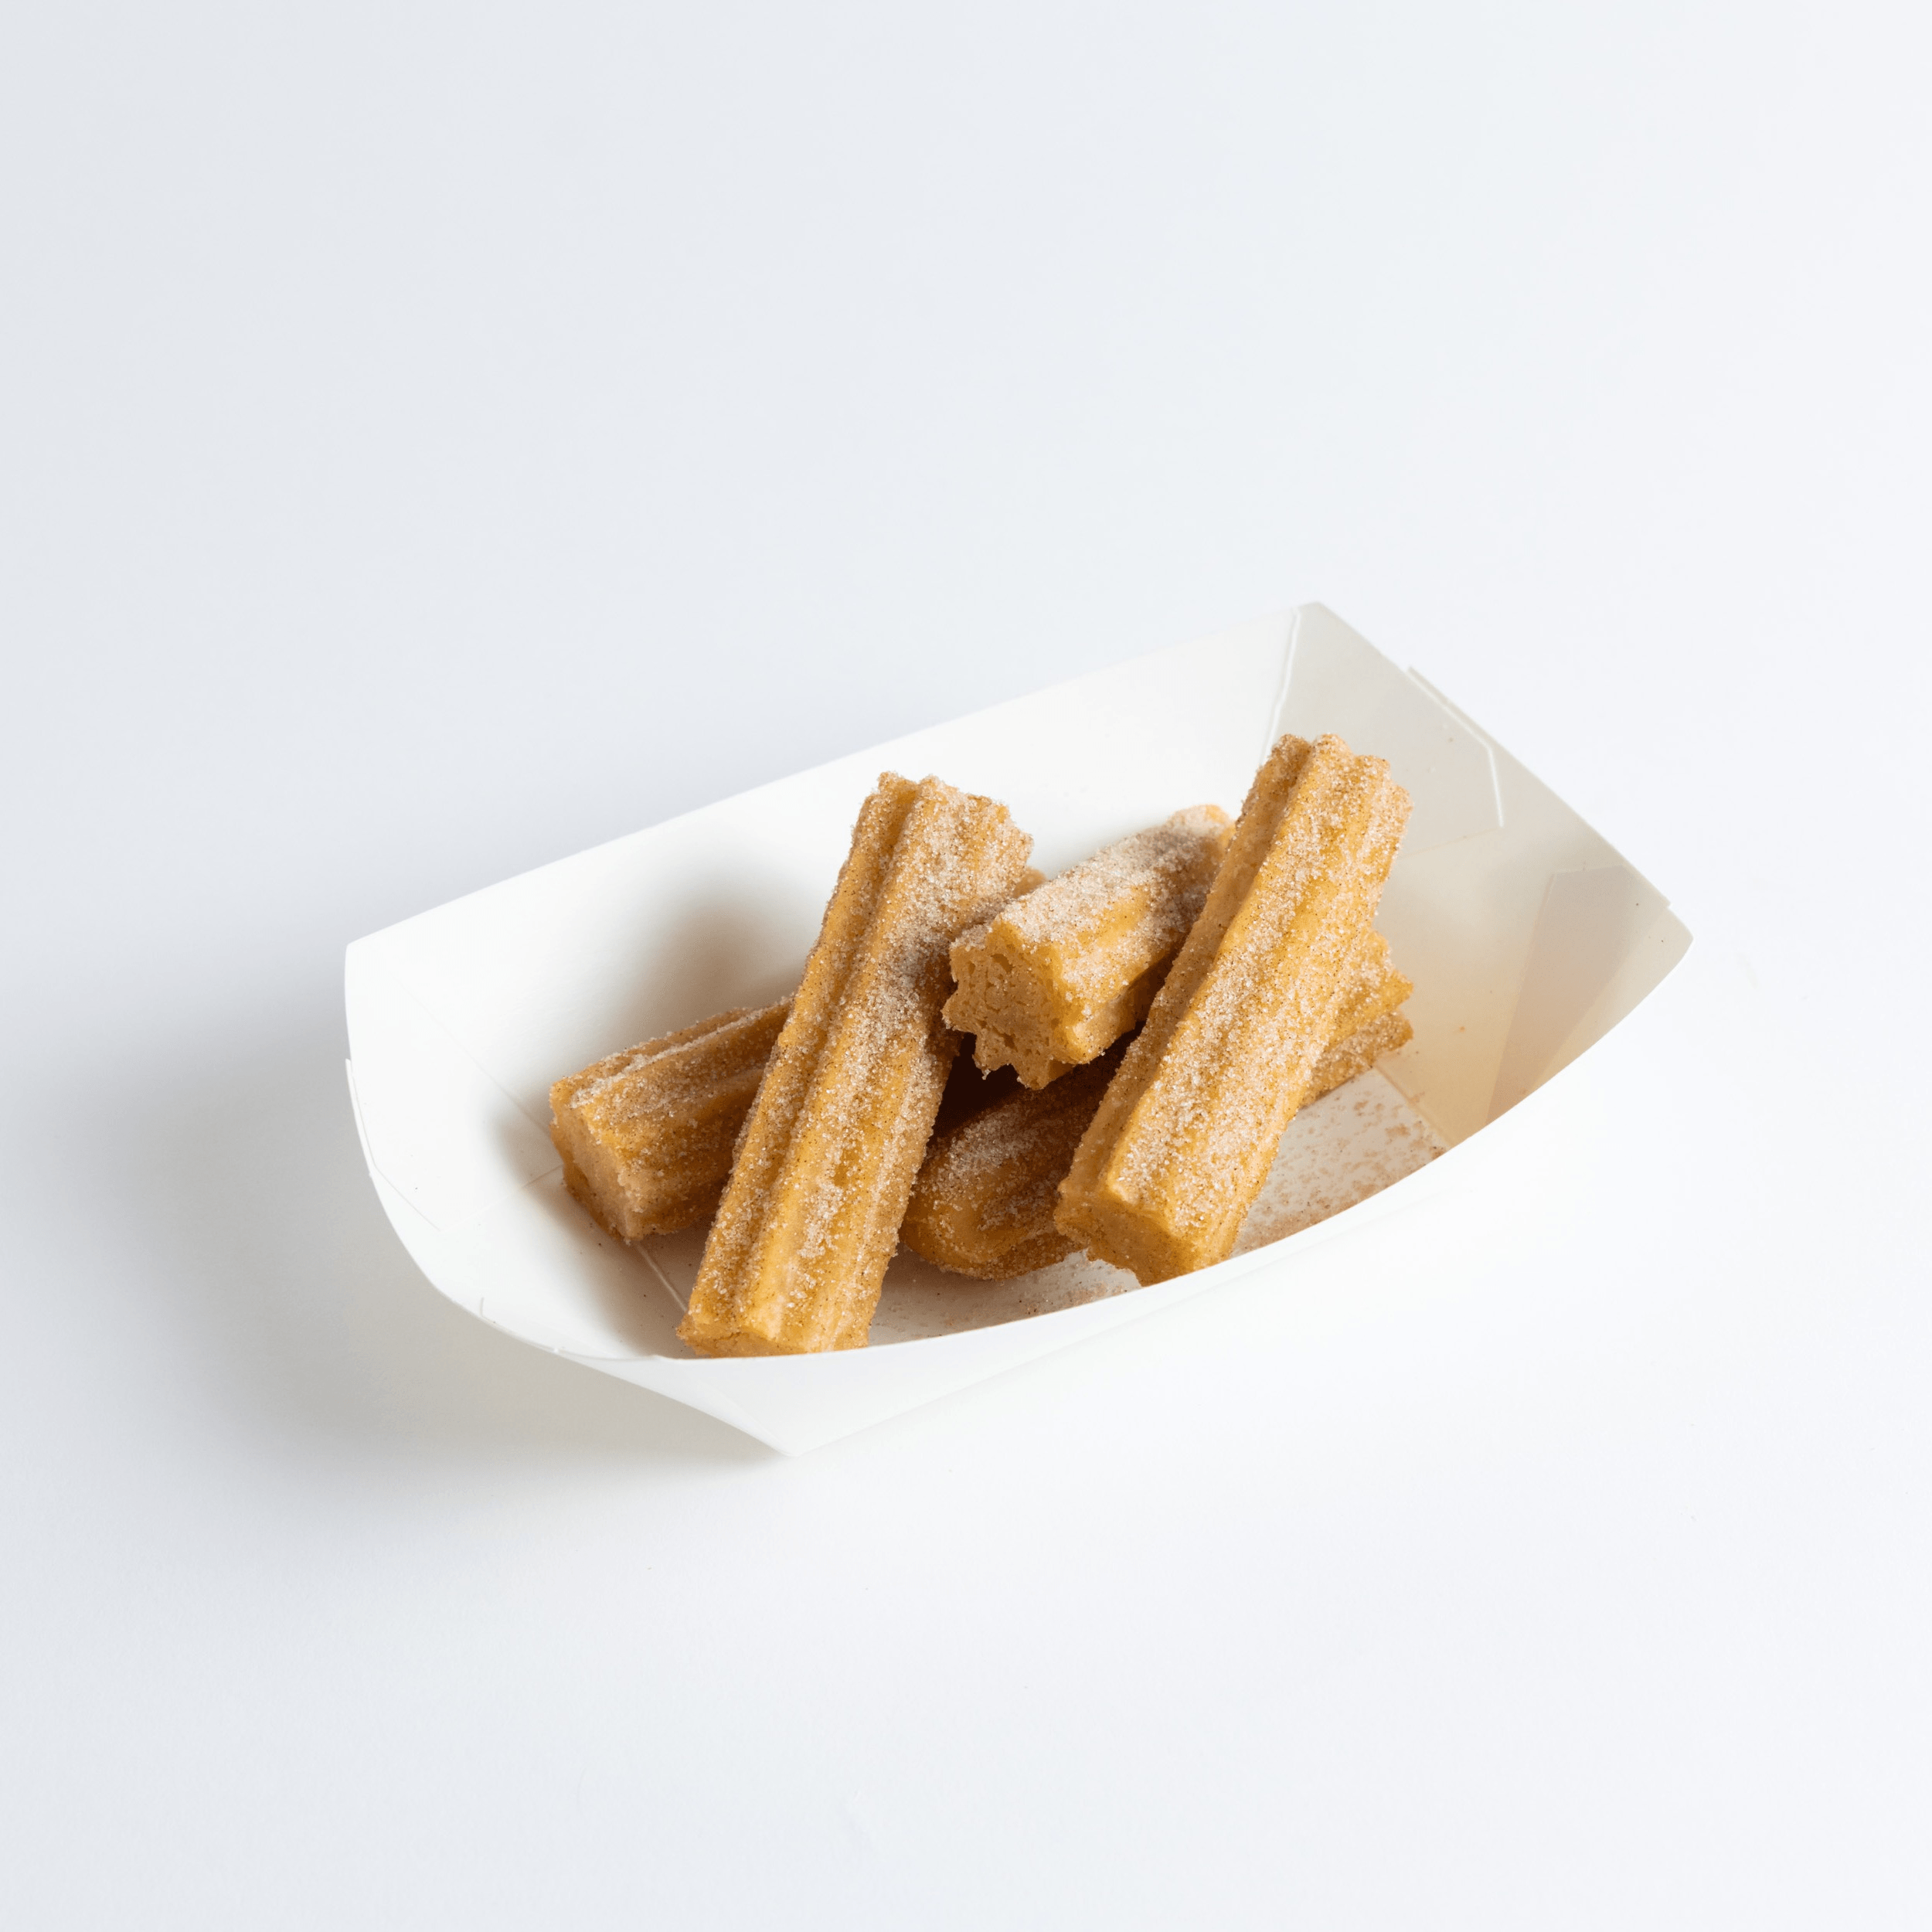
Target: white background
435,439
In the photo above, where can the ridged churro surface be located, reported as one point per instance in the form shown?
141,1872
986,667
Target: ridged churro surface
983,1204
646,1134
810,1214
1182,1139
1056,976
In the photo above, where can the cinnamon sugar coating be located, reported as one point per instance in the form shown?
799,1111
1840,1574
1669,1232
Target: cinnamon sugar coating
646,1134
1059,975
1358,1052
1372,988
809,1216
1182,1139
984,1202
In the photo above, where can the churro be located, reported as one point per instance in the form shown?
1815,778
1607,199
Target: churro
1372,988
1059,975
984,1202
809,1216
646,1134
1183,1138
1358,1052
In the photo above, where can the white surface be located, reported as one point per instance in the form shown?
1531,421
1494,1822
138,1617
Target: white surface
517,427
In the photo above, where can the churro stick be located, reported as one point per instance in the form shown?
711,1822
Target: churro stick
810,1214
1058,976
1183,1140
646,1134
984,1202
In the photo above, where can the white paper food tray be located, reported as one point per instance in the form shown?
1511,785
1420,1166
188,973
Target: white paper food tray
1528,938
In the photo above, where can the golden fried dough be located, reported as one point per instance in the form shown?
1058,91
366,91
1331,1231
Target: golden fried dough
983,1204
1059,975
811,1214
1183,1138
646,1134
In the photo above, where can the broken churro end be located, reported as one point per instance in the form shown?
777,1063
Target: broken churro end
1055,977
